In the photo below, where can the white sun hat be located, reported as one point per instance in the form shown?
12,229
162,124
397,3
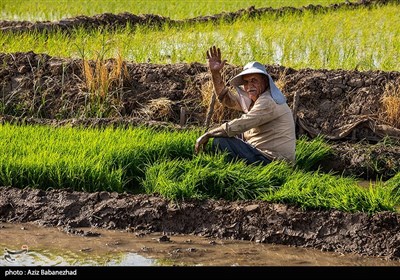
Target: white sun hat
253,68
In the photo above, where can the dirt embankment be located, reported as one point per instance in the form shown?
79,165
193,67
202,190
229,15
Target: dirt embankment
376,235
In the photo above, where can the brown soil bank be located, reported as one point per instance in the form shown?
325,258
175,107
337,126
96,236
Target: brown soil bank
376,235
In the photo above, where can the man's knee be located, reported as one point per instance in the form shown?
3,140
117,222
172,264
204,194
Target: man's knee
220,144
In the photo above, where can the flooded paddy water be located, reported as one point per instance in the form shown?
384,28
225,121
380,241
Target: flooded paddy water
30,245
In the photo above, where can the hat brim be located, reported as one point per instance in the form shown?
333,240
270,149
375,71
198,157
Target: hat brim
238,79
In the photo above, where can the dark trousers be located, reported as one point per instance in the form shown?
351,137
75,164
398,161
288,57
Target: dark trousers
239,149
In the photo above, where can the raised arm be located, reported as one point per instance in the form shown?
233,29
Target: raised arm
216,64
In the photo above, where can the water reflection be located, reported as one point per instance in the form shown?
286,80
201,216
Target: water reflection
66,258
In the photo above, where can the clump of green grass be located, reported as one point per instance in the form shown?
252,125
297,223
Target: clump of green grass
394,184
315,190
211,176
84,159
310,152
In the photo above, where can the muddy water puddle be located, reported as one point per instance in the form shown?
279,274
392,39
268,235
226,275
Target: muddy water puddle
31,245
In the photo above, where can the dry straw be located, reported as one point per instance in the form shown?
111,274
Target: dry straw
391,104
157,109
104,76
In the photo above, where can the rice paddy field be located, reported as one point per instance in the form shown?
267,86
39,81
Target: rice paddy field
339,42
306,39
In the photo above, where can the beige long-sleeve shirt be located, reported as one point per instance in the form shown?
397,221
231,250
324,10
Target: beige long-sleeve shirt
267,126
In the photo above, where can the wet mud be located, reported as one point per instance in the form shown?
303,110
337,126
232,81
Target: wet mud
51,246
260,222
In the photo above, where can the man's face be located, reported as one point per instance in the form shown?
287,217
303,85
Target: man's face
254,85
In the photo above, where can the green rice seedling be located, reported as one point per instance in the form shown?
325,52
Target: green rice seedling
310,152
172,180
140,159
394,184
315,190
305,189
380,197
44,158
394,181
211,176
85,159
237,180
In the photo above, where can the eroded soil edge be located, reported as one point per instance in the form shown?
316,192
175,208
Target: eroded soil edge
375,235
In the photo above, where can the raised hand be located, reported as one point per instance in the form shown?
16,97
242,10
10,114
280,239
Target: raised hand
214,59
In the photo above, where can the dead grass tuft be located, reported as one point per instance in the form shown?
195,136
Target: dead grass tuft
104,81
158,109
104,76
390,101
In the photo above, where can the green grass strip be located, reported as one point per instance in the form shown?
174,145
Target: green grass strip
84,159
149,160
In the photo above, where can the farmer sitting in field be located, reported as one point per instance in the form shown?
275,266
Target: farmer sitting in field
266,130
